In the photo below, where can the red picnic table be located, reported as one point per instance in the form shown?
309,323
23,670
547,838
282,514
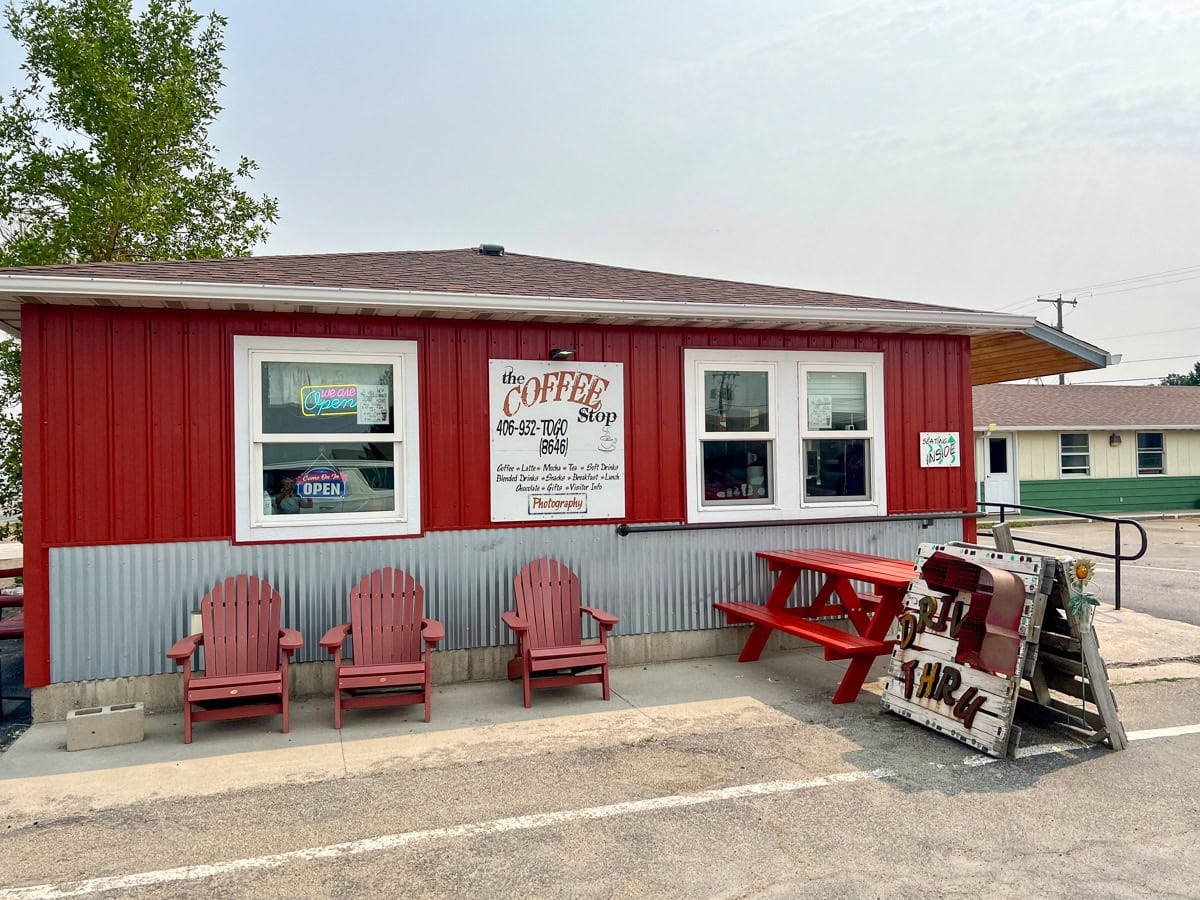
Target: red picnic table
871,614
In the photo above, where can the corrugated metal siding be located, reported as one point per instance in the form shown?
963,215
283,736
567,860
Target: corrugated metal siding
115,610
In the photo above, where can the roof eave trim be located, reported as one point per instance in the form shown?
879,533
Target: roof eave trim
502,303
1062,341
1109,427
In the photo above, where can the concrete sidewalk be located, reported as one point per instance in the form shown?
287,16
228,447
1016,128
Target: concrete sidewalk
485,720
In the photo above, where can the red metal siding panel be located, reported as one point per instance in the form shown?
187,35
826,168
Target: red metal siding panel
166,419
131,390
136,413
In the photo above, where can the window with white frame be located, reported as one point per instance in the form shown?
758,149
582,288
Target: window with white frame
1150,456
326,438
783,434
1074,454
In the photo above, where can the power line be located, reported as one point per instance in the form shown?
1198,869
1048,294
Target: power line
1114,283
1143,287
1111,337
1155,378
1148,275
1159,359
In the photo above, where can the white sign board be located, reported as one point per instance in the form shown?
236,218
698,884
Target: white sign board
558,440
939,450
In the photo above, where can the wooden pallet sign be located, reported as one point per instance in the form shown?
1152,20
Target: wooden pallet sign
986,633
970,622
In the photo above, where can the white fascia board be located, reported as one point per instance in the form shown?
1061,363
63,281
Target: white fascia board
1068,428
1073,345
200,292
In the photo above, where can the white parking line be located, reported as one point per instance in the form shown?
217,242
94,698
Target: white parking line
979,759
391,841
1152,733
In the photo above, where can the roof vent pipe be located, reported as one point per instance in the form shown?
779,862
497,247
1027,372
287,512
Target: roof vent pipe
491,249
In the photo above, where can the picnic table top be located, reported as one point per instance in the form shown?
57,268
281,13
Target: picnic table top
877,570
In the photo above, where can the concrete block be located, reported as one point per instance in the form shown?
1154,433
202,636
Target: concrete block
105,726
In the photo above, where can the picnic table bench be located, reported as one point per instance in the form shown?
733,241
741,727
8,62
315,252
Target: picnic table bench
871,613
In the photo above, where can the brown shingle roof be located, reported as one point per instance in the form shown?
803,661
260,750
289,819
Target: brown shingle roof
1086,405
465,271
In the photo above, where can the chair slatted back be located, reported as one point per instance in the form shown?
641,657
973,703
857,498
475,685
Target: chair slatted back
386,609
241,626
548,599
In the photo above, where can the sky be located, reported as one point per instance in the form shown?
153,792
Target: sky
971,154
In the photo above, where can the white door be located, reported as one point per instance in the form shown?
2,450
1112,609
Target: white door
999,469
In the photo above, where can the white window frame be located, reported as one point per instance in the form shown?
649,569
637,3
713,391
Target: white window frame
770,436
1062,452
250,524
789,420
1137,455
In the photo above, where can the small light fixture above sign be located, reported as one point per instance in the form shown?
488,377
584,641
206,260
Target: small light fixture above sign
1114,440
561,353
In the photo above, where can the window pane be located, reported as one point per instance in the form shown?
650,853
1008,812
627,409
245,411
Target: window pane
997,456
328,478
737,472
837,470
736,401
1073,442
837,401
1150,463
324,398
1151,440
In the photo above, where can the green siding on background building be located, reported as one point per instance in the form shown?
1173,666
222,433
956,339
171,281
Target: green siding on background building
1104,495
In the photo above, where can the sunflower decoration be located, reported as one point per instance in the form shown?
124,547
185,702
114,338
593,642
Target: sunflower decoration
1082,604
1080,571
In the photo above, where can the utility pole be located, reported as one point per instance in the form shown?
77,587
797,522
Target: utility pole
1059,302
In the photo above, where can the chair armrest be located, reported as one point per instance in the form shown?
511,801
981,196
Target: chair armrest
290,640
185,647
513,621
335,636
600,616
432,631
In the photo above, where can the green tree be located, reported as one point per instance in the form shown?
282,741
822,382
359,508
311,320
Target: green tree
10,435
105,152
1189,378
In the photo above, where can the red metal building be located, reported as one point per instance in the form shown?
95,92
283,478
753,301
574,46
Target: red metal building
167,403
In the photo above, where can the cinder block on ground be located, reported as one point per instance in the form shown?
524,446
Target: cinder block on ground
105,726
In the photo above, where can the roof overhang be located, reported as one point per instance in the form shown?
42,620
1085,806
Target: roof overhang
1034,352
1004,347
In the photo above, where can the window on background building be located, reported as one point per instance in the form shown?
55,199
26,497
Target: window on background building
783,434
1074,454
326,441
1150,457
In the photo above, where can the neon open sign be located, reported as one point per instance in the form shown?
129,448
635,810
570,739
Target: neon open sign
329,400
321,482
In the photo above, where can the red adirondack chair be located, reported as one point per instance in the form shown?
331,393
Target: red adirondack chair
548,622
246,654
386,623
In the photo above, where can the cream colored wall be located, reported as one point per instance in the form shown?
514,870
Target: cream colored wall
1037,453
1183,452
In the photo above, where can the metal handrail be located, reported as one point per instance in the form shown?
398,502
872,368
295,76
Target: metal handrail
1116,556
